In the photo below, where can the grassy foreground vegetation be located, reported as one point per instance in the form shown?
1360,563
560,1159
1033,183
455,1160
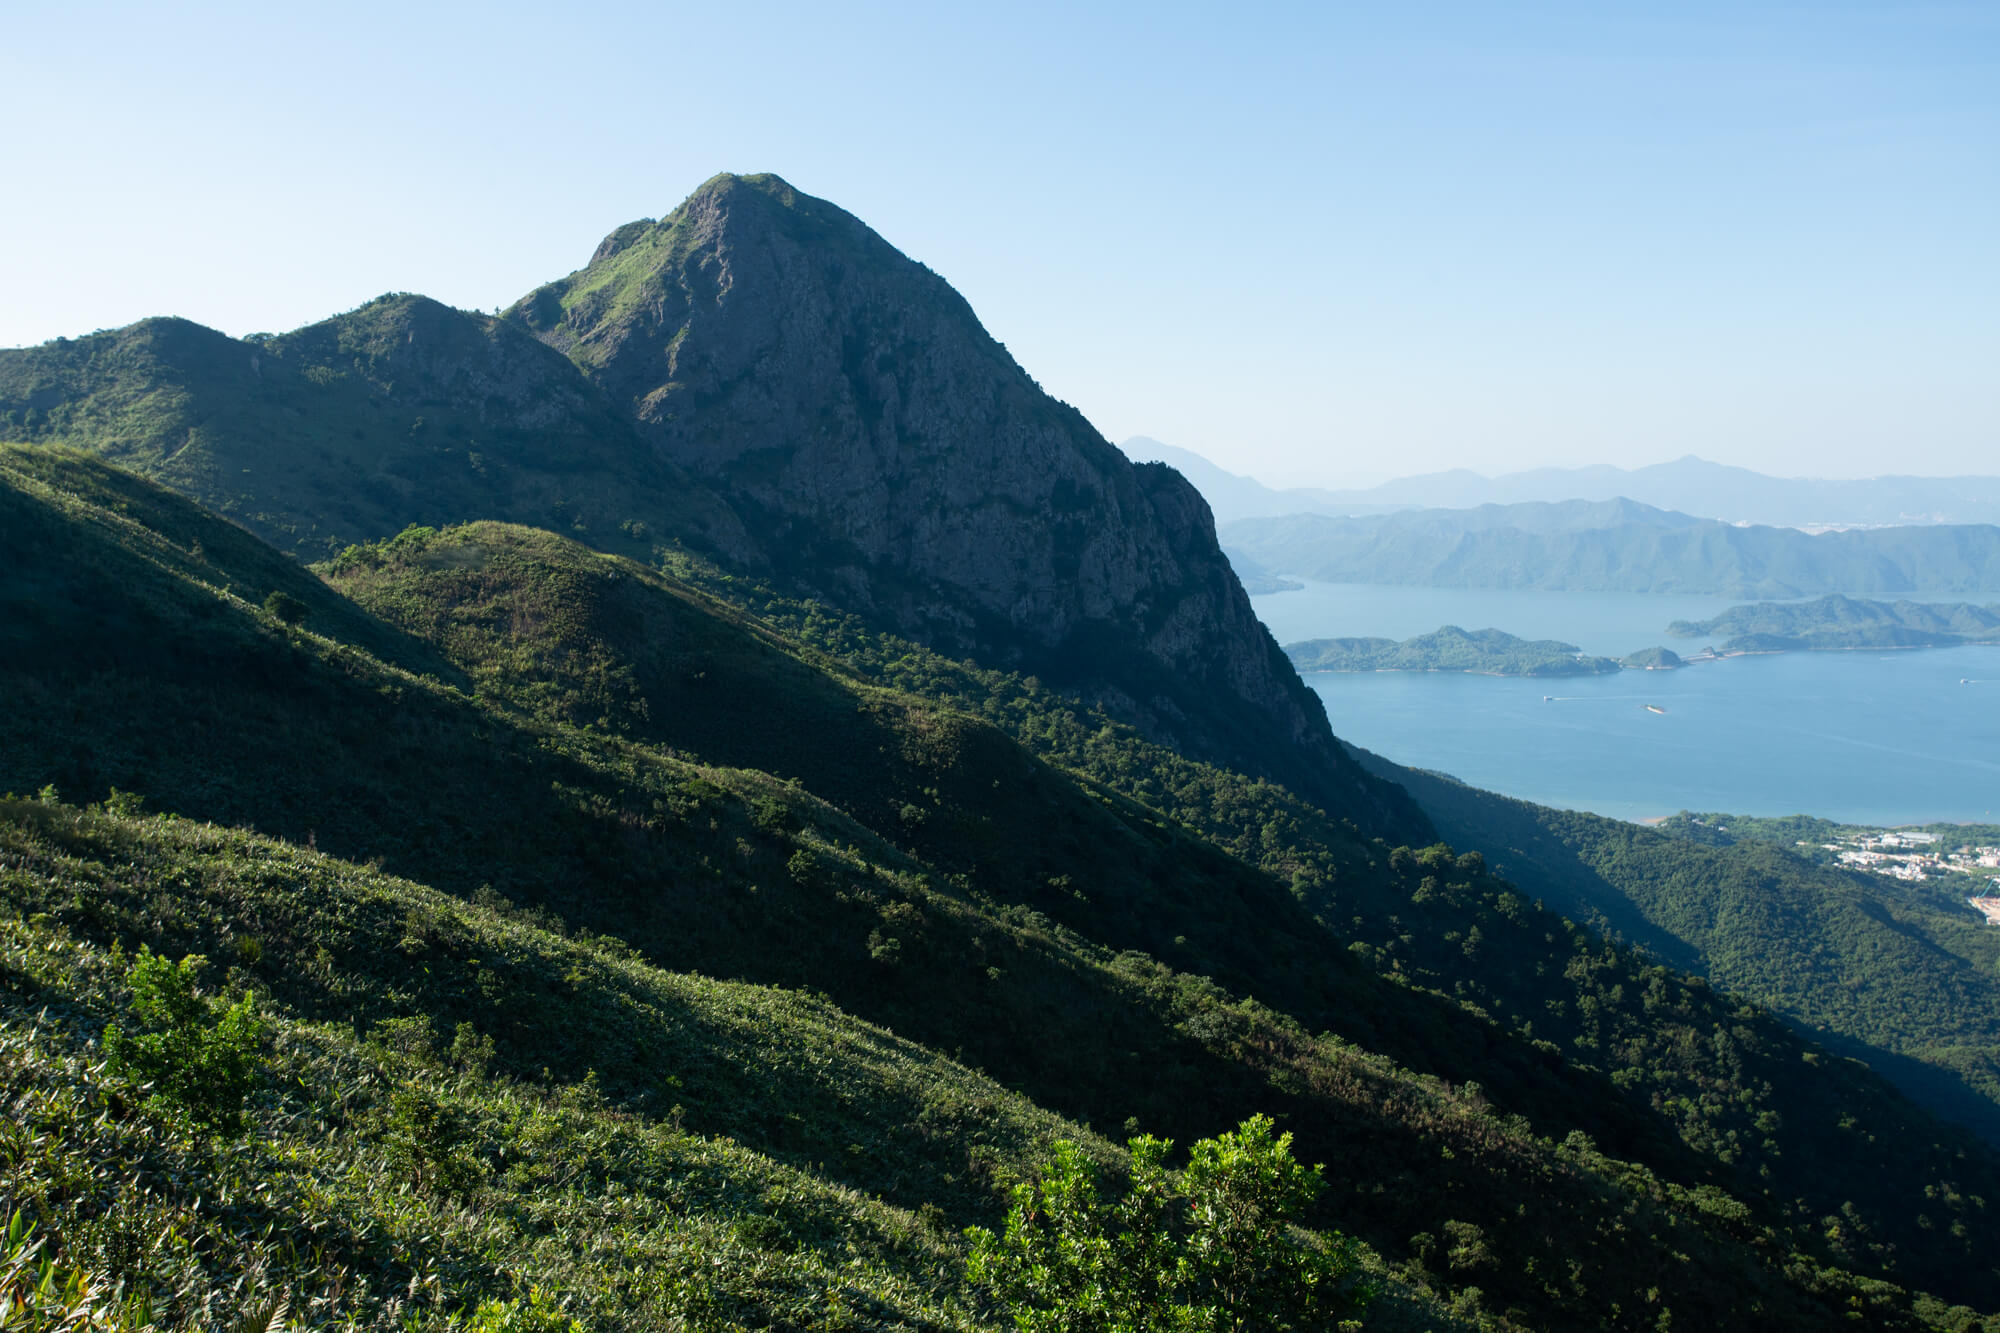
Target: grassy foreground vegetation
400,1165
788,950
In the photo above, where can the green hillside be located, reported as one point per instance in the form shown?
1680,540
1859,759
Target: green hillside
748,773
1525,1124
461,1104
1902,979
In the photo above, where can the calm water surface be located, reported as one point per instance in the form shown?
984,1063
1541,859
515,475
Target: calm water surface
1866,737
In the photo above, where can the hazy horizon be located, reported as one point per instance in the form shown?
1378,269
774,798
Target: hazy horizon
1494,473
1316,245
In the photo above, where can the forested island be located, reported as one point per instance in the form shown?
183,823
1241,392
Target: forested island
1487,651
1834,623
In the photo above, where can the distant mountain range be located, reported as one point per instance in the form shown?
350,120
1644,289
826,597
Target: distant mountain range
1616,546
1690,485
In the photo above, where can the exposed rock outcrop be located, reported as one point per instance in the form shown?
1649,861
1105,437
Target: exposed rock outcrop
889,453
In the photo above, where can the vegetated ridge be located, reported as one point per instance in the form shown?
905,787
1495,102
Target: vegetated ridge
1894,974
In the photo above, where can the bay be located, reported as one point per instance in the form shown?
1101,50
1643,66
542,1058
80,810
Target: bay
1866,737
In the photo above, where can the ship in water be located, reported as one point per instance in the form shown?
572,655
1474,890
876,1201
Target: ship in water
1654,708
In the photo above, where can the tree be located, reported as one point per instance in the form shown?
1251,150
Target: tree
198,1055
1212,1249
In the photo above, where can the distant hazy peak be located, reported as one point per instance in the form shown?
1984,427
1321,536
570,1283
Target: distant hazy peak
1689,484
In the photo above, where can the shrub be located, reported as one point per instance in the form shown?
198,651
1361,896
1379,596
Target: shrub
198,1055
1212,1250
428,1144
285,607
538,1314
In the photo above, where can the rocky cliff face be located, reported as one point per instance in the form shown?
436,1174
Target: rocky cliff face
886,451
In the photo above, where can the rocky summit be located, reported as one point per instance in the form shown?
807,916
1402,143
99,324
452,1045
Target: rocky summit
893,456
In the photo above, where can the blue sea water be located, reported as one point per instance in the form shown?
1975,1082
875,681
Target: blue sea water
1863,737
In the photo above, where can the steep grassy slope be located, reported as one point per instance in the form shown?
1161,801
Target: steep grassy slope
1881,976
638,1206
1513,1186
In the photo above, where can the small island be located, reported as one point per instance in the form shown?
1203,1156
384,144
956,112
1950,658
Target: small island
1652,659
1836,623
1488,651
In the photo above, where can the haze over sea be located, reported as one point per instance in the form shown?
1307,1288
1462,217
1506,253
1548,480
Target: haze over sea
1865,737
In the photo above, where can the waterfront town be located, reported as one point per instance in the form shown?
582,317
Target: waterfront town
1914,855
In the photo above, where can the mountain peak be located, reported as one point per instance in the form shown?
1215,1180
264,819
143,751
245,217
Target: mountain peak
896,461
769,184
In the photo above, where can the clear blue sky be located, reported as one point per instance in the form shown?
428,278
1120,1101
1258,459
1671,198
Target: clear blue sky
1314,242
